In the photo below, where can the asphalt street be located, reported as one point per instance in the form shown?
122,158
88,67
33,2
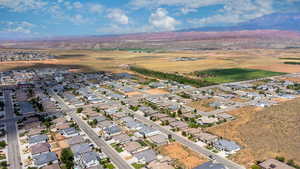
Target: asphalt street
111,153
14,158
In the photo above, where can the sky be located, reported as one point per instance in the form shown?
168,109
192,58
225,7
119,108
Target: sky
47,18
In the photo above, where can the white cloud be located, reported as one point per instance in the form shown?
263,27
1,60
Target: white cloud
77,5
22,5
118,16
123,29
185,10
18,27
160,20
236,11
96,8
78,19
184,3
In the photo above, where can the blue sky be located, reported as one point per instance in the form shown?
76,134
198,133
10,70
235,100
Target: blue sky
47,18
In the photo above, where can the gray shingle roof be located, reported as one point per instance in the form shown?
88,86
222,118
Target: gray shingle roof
89,156
211,165
226,145
68,131
40,148
147,155
76,140
37,139
44,158
80,149
112,130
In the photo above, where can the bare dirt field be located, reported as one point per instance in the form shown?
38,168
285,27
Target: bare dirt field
130,94
203,105
93,60
293,79
156,91
264,133
238,99
185,157
278,68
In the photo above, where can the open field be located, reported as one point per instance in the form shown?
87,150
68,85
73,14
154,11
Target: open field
293,79
156,91
278,133
184,157
290,58
96,60
203,105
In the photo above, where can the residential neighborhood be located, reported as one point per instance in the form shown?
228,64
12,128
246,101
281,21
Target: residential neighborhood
100,120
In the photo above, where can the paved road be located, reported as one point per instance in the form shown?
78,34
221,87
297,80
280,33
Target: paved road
112,154
190,144
116,159
14,119
14,157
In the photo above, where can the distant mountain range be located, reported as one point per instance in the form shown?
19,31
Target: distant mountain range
270,31
276,21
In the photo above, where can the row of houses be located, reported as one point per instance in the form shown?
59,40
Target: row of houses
132,139
42,146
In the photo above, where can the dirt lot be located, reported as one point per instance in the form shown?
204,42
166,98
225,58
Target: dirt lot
238,99
203,105
156,91
264,133
278,68
293,79
130,94
183,156
113,60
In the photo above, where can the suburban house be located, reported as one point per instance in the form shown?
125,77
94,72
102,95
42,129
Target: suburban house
229,147
37,139
52,166
112,130
79,149
44,159
89,159
159,139
147,132
274,164
206,137
211,165
145,156
207,120
69,132
132,146
75,140
39,148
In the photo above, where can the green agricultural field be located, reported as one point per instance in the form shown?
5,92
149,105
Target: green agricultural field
233,75
292,63
170,76
289,58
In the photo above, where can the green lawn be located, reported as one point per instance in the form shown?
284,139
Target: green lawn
2,157
117,147
233,75
138,166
